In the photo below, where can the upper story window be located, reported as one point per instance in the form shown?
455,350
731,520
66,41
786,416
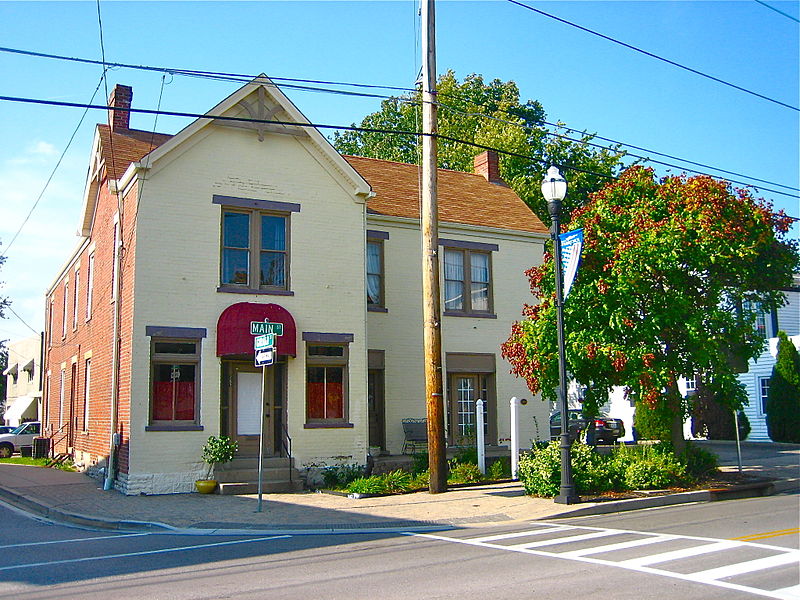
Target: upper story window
375,283
75,296
255,245
64,305
761,319
467,278
89,286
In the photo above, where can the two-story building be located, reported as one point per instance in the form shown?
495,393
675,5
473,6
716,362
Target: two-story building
186,240
23,381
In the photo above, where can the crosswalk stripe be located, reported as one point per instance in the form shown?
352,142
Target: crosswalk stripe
618,546
788,593
677,554
508,536
749,566
564,540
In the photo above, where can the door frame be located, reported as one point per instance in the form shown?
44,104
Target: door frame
248,444
484,381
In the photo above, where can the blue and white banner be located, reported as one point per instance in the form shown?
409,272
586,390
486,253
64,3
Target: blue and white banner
571,246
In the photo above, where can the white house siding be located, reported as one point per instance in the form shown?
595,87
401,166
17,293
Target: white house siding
177,273
398,332
25,386
788,321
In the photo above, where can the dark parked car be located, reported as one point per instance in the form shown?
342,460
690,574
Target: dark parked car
601,429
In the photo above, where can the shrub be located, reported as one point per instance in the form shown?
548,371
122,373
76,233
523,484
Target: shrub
700,463
419,462
467,455
420,481
783,400
539,470
396,481
218,451
465,473
499,469
713,419
367,485
652,423
339,476
653,471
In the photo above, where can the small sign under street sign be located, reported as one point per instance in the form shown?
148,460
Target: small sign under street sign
264,327
265,357
264,341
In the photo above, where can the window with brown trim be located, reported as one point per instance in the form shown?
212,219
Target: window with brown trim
326,383
467,281
255,248
375,276
174,381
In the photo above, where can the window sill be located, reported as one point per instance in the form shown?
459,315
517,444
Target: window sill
229,289
474,315
173,428
330,425
379,309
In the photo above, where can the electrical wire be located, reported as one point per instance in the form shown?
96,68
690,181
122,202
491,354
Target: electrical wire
242,78
780,12
344,128
53,172
656,56
8,306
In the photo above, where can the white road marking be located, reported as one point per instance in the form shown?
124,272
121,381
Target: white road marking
678,554
711,577
142,553
749,566
71,540
565,540
508,536
656,539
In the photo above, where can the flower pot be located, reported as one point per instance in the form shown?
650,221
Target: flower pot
205,486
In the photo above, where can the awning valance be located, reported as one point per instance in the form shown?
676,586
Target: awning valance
233,328
15,411
11,370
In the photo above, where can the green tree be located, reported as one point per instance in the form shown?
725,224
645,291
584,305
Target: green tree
783,401
489,114
670,269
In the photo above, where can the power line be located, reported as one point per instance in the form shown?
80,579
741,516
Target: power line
343,128
53,172
657,57
243,78
780,12
8,306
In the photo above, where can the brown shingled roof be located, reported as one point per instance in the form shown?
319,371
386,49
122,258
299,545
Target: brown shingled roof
128,146
463,197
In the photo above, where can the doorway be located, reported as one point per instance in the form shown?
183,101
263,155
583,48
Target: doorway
246,391
464,389
376,410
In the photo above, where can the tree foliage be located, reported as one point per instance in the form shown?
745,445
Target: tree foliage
783,400
669,269
488,114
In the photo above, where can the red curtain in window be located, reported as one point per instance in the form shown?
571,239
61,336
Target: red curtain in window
315,400
184,401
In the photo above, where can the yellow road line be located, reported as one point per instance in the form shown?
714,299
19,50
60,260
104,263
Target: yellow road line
768,534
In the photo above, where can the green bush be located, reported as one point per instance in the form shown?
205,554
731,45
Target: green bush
539,470
783,401
652,423
419,462
654,471
467,455
464,473
420,481
367,485
396,481
499,469
700,463
339,476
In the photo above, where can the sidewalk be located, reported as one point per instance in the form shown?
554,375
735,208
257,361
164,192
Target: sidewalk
77,499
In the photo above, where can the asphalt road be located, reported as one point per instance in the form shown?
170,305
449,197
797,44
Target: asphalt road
686,552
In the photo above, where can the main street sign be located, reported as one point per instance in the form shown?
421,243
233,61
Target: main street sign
265,327
260,342
264,358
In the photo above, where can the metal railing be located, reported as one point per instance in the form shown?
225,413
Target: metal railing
286,449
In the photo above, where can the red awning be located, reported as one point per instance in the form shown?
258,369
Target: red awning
233,328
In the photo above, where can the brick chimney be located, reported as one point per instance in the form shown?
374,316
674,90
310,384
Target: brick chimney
121,97
487,164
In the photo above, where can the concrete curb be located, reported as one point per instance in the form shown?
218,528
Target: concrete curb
750,490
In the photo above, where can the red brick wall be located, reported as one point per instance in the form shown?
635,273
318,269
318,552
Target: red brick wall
94,335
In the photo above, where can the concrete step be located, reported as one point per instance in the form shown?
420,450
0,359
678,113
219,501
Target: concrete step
251,462
268,487
271,474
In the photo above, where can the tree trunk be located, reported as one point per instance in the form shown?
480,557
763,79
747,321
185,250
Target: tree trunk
676,423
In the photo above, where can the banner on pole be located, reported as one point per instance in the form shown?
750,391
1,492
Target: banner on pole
571,246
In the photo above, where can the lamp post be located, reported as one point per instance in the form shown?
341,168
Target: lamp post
554,188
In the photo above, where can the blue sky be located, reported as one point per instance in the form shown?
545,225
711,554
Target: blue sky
582,80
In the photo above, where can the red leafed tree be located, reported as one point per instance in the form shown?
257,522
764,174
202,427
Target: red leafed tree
671,275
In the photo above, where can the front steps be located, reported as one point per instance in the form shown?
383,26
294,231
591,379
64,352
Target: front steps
240,476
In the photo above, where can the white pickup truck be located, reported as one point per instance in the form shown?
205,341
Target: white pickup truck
21,436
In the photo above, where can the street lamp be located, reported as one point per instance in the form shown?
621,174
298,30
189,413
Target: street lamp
554,188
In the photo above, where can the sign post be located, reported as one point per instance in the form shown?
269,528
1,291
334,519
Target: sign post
264,350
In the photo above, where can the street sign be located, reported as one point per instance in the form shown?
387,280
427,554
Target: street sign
264,327
266,357
261,342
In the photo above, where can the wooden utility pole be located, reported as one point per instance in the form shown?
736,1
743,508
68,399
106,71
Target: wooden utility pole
431,310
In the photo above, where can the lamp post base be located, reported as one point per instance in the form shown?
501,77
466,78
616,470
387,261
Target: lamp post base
567,499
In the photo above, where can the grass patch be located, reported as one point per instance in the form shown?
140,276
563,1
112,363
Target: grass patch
36,462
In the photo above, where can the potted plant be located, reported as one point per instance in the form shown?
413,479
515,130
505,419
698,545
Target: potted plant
216,451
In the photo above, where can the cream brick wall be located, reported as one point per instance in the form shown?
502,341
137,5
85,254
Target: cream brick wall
177,273
399,331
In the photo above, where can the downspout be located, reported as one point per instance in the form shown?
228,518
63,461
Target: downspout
108,484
